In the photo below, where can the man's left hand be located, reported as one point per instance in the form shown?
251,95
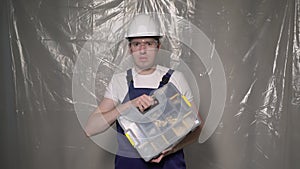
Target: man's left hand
163,154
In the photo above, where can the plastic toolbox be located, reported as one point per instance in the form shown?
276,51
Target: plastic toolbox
161,126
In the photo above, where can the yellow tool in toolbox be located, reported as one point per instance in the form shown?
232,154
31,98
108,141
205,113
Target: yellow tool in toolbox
162,125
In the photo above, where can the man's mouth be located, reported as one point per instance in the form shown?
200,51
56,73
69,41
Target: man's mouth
143,58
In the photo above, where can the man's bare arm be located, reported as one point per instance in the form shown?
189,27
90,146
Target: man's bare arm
101,119
107,112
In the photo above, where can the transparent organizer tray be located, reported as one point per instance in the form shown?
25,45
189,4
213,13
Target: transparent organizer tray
162,126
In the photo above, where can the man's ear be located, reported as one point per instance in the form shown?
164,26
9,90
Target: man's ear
158,45
129,49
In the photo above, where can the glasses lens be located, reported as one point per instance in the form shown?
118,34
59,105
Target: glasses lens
150,44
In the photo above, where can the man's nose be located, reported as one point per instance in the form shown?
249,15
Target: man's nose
143,48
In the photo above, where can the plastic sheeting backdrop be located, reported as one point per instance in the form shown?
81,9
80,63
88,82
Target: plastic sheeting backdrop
257,42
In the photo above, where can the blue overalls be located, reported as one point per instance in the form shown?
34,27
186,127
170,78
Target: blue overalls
127,157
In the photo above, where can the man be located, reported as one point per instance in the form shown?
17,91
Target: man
144,43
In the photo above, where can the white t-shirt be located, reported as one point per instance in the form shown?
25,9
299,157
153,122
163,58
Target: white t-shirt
118,87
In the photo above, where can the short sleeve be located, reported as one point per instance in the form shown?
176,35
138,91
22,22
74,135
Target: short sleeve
109,93
117,88
180,82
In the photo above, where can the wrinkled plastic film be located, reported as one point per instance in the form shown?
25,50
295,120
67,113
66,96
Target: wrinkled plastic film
64,54
296,58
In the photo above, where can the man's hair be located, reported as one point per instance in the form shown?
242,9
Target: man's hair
157,38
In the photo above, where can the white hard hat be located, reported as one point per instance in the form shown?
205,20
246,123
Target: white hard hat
142,26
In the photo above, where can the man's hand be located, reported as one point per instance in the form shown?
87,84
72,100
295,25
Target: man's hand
142,102
162,155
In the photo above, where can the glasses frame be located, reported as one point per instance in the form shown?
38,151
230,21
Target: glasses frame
149,44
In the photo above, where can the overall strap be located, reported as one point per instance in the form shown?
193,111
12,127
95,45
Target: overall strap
130,85
129,77
165,79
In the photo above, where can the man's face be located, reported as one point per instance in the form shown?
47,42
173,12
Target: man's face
144,51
